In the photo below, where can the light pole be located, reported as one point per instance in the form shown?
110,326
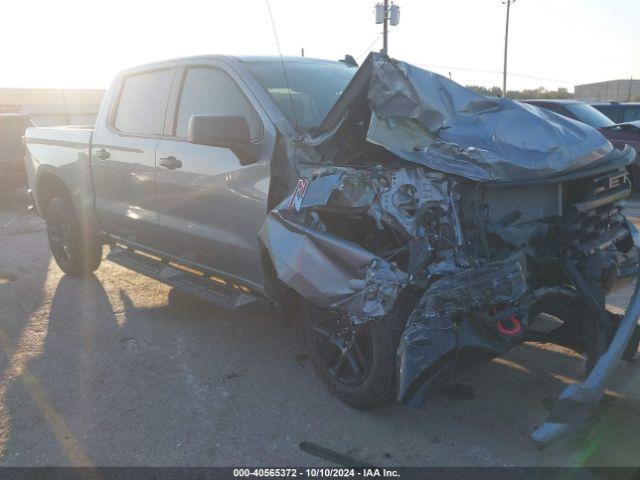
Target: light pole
387,15
506,43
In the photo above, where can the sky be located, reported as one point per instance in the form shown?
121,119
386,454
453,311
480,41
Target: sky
552,43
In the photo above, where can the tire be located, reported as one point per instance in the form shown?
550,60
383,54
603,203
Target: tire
76,252
377,341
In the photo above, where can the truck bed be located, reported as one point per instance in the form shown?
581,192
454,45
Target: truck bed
66,151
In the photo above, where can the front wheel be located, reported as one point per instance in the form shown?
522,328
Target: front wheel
75,252
357,362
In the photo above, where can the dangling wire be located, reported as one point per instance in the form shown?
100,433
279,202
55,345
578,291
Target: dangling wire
284,70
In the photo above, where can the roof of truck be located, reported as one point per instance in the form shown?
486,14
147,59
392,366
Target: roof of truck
231,59
275,58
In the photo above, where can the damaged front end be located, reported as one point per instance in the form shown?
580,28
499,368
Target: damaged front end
487,213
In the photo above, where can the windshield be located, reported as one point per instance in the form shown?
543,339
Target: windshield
589,115
313,87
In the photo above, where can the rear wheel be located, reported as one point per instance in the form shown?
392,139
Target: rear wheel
357,362
75,252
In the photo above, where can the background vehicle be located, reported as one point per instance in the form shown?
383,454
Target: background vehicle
227,179
620,134
574,109
12,128
619,112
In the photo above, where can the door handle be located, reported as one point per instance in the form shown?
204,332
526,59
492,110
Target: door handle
101,154
170,162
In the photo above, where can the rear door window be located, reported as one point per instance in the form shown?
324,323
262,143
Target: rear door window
551,108
211,91
610,112
631,114
143,103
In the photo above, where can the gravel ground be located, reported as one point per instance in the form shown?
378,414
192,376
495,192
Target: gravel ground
118,370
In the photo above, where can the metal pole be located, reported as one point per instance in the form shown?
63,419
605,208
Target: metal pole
630,84
385,28
66,109
506,42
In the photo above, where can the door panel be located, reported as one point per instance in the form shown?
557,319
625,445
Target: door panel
124,179
211,206
123,157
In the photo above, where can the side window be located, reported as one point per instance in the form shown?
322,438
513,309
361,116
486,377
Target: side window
143,103
210,91
552,108
610,112
631,114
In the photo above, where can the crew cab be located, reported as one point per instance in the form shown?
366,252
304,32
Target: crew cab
414,225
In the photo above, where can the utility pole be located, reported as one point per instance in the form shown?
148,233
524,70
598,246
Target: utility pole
506,43
385,29
386,15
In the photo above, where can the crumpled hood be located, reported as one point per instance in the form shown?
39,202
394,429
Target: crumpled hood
428,119
366,237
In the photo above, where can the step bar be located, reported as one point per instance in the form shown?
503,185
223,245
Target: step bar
211,288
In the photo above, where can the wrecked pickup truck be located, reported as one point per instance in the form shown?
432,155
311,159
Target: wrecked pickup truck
417,226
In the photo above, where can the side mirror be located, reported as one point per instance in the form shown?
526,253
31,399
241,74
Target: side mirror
219,131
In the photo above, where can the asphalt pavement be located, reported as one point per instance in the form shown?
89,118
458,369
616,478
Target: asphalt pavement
119,370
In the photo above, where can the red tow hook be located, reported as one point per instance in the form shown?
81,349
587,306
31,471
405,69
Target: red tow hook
512,331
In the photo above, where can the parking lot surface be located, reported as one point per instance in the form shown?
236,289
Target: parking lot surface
117,370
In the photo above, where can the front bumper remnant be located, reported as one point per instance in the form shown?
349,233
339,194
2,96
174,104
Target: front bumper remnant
578,400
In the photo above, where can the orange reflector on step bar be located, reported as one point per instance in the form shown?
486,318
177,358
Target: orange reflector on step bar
148,255
218,280
187,269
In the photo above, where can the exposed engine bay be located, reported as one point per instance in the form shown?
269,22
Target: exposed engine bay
425,190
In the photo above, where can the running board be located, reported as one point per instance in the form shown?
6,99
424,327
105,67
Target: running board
209,288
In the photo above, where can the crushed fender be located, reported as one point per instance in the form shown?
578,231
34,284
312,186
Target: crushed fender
331,272
489,211
444,316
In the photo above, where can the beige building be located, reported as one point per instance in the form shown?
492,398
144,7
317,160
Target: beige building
48,107
609,91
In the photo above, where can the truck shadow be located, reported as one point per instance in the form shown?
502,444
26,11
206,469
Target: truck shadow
111,373
150,367
23,326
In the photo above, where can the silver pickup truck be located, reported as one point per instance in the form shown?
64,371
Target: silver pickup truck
414,225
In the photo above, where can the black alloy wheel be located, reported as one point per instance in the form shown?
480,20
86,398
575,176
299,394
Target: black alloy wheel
346,349
357,361
60,235
75,251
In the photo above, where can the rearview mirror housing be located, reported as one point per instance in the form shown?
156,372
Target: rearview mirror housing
219,131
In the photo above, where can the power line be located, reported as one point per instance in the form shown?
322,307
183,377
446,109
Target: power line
591,27
368,49
533,77
594,26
